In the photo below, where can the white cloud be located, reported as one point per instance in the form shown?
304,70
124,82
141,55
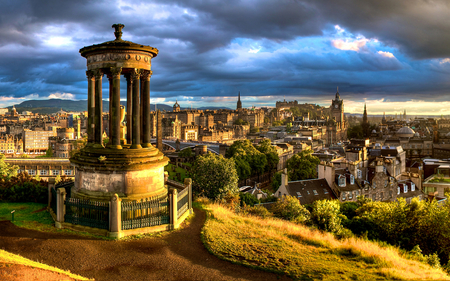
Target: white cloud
339,29
349,45
386,54
64,96
446,60
255,50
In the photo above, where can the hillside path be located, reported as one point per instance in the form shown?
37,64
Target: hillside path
179,255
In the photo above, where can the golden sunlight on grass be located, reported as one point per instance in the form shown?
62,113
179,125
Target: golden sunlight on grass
6,257
302,253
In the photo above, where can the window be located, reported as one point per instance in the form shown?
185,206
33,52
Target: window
67,172
405,188
359,174
55,172
413,187
315,192
325,191
43,172
32,172
308,192
384,169
398,190
350,195
341,180
299,194
352,179
343,196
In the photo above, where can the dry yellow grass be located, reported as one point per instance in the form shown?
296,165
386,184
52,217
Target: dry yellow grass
302,253
6,257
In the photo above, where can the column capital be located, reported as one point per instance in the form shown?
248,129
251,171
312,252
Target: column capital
135,73
145,74
115,71
90,74
98,73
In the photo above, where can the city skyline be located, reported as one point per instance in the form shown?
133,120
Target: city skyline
392,56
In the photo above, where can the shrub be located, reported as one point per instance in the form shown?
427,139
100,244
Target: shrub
289,208
326,216
258,211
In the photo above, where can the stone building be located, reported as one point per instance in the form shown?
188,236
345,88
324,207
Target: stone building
36,141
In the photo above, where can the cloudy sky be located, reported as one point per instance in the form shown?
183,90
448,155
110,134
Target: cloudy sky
392,55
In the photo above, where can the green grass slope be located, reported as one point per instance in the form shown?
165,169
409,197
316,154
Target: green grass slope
305,254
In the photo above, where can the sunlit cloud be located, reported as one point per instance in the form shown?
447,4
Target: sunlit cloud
446,60
349,45
338,29
386,54
412,107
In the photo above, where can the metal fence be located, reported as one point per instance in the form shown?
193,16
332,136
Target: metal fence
183,202
87,213
153,211
67,186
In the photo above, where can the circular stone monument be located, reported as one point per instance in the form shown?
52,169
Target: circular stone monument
130,167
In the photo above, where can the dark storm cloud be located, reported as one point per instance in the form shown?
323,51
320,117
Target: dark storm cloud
195,38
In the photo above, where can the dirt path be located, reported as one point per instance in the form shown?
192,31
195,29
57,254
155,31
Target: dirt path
179,255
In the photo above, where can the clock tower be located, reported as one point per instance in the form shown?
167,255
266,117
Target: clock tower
337,108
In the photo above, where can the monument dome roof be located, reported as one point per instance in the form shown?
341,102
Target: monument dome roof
405,132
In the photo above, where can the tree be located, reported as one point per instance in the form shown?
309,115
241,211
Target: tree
214,176
355,132
302,166
186,153
247,158
7,171
266,148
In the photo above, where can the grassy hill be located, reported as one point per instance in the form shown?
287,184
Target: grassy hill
284,247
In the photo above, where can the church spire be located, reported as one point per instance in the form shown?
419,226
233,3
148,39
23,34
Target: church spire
338,97
239,103
365,123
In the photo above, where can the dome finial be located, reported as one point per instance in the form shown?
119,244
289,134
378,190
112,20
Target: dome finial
118,33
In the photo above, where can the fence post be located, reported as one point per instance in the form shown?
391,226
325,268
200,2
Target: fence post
115,217
60,206
51,184
174,206
188,184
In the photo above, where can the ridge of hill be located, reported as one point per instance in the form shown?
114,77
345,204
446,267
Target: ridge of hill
302,253
54,105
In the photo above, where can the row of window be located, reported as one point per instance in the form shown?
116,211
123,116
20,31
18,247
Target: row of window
325,191
349,195
46,172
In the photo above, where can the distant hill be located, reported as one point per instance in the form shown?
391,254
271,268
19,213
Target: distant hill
54,105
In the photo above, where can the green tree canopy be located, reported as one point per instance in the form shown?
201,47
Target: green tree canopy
302,166
266,148
247,156
355,132
6,171
214,176
186,153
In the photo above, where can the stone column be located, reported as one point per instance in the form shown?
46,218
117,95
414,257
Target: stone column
141,108
114,109
174,206
109,76
136,135
129,106
98,118
91,107
146,108
60,206
115,217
